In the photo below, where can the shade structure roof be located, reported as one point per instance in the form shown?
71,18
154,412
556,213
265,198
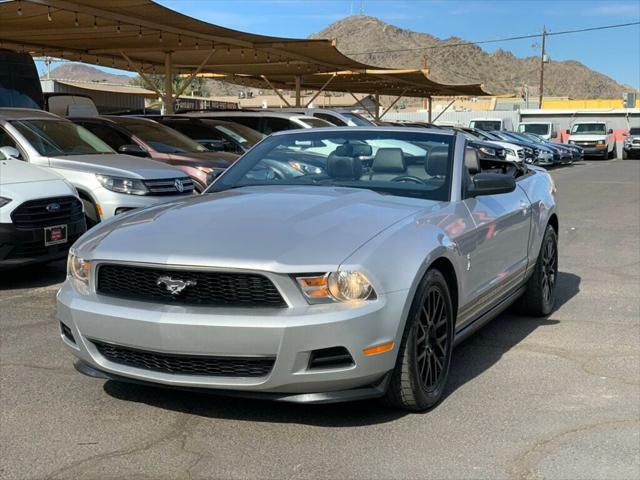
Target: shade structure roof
410,83
136,35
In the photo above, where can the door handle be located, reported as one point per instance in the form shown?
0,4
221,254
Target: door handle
524,206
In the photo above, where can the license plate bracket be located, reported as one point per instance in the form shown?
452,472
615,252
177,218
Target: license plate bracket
55,235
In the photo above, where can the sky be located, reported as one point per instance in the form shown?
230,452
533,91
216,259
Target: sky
614,52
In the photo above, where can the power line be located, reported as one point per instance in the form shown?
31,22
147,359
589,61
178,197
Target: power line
496,40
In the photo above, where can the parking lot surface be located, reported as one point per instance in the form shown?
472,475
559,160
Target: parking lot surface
528,398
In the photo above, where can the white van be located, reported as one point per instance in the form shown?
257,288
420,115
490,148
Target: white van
544,130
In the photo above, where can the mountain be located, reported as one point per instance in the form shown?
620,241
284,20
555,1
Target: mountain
501,72
86,73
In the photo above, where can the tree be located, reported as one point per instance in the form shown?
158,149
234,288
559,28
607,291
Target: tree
198,86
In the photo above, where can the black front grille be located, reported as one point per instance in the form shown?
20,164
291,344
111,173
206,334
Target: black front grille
47,212
66,331
170,186
203,287
186,364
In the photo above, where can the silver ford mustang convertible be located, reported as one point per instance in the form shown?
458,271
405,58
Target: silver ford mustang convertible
325,265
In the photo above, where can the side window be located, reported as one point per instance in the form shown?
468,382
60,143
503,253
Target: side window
108,135
331,119
275,124
6,140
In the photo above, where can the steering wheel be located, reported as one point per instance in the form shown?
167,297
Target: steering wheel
408,178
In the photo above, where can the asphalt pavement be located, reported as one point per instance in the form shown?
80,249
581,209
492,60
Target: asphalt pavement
554,398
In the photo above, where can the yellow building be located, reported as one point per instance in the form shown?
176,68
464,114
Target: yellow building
583,103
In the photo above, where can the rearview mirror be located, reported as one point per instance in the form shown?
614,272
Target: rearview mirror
486,183
135,150
567,131
10,152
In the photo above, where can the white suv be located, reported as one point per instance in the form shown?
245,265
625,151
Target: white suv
40,214
108,183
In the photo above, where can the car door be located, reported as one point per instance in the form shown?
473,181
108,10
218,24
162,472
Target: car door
497,256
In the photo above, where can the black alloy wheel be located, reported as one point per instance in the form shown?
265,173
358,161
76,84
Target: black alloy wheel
549,269
432,338
421,372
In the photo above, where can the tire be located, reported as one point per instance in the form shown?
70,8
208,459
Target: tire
421,372
90,213
537,301
625,155
613,153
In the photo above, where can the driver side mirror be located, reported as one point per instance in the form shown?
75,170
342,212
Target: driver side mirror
610,131
486,183
133,149
11,152
567,131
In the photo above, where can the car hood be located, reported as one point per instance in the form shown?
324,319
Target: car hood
17,171
210,159
588,138
284,229
116,165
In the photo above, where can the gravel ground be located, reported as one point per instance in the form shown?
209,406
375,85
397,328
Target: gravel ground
528,398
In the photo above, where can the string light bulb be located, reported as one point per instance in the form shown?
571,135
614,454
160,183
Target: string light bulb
95,22
118,27
228,50
179,40
75,21
49,17
139,31
242,52
19,8
160,36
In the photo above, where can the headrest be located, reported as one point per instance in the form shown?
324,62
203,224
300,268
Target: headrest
437,162
354,150
389,160
346,168
471,160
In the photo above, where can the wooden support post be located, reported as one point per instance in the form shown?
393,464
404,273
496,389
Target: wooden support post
144,78
430,109
298,87
445,109
377,100
275,90
167,98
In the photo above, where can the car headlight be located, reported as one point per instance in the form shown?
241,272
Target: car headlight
488,151
131,186
206,169
305,168
78,271
508,151
4,201
342,286
600,142
571,142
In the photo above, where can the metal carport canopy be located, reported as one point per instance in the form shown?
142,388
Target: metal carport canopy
140,35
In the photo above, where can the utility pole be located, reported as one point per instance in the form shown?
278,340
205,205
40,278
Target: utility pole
424,67
542,60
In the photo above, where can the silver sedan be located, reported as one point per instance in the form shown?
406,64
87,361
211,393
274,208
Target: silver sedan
325,265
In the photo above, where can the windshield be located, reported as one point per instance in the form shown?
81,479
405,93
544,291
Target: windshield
589,129
51,137
314,122
160,137
357,119
535,128
395,163
244,136
487,125
532,137
634,131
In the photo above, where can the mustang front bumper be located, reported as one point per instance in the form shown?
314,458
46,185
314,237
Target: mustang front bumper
289,335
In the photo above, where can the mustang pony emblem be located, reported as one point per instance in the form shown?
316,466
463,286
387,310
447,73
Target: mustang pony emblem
174,286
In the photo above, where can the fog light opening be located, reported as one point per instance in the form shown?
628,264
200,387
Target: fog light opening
333,357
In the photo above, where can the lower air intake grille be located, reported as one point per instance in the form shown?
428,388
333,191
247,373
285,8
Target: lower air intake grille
229,289
186,364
